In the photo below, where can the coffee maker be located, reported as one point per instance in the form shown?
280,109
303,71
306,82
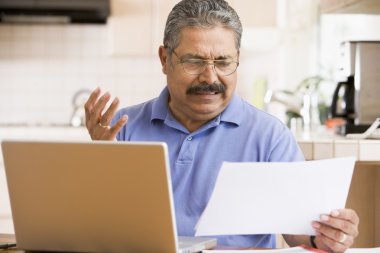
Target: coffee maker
357,96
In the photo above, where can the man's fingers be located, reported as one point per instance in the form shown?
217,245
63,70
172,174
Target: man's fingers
338,229
334,245
337,235
344,220
117,126
98,125
89,105
98,108
346,214
108,115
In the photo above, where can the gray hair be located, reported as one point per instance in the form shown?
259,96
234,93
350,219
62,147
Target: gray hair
200,13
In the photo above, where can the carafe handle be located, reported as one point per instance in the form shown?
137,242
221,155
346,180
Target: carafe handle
334,105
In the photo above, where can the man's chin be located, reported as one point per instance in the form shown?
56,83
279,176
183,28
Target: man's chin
207,111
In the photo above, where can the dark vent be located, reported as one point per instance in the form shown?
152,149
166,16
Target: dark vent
72,11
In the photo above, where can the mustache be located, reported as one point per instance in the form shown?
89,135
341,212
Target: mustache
205,87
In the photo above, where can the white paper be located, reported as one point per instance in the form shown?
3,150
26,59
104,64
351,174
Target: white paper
275,198
284,250
291,250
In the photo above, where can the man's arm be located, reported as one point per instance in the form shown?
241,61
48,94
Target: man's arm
335,232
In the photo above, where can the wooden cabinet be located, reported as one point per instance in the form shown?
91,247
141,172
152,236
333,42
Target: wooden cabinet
350,6
136,27
256,13
130,27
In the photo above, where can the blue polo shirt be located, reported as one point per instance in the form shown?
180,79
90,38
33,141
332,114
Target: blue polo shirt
241,133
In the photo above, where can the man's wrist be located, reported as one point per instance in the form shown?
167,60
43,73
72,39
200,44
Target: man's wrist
312,242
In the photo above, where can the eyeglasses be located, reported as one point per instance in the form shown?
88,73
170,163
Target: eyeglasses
197,66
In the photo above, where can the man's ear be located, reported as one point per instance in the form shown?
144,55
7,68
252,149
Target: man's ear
162,53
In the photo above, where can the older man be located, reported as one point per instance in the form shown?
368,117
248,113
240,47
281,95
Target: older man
204,122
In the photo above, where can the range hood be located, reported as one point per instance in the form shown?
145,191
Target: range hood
54,11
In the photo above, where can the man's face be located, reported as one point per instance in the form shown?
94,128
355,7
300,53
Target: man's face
191,106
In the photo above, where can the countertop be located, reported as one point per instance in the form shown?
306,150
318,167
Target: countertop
325,144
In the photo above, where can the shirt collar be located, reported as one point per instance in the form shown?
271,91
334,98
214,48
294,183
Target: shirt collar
232,114
234,111
160,106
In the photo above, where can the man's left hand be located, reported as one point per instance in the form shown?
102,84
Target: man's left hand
335,232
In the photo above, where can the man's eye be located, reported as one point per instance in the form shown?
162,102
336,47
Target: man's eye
223,64
194,61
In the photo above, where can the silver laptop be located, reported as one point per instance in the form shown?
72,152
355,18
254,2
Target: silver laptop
93,197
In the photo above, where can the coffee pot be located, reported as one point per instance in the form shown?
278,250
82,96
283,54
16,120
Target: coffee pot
343,101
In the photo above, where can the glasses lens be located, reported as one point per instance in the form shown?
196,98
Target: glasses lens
196,67
226,67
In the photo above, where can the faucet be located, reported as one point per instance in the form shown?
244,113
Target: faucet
79,99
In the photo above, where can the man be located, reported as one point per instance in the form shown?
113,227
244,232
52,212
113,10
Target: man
204,122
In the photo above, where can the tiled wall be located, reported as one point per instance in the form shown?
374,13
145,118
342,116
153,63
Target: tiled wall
43,66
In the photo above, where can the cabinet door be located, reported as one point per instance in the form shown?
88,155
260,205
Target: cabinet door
161,10
259,13
331,5
130,28
350,6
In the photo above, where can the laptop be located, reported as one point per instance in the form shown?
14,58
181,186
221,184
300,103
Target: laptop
91,196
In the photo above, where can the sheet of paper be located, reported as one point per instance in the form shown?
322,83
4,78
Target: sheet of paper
284,250
269,198
292,250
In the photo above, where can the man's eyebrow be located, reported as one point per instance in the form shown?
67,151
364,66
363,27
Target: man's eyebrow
192,56
224,57
198,56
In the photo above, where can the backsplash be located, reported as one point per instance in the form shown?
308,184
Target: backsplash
42,67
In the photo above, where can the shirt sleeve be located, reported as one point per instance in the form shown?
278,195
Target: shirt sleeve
285,148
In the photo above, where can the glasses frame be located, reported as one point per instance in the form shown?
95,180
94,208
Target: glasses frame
207,62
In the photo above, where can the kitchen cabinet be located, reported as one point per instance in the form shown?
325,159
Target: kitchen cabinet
256,13
130,28
136,27
350,6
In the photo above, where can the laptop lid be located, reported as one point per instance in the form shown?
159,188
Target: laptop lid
91,196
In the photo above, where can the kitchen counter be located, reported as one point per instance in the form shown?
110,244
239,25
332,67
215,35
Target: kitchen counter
325,144
43,132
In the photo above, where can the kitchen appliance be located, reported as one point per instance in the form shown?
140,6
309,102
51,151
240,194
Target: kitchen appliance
356,97
54,11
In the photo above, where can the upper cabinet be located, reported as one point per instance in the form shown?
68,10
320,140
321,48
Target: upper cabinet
256,13
351,6
136,27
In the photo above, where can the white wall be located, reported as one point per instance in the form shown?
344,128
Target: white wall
43,66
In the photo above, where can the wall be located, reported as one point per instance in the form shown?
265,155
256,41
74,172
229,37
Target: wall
43,66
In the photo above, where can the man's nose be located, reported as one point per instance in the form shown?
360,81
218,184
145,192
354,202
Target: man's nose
209,75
